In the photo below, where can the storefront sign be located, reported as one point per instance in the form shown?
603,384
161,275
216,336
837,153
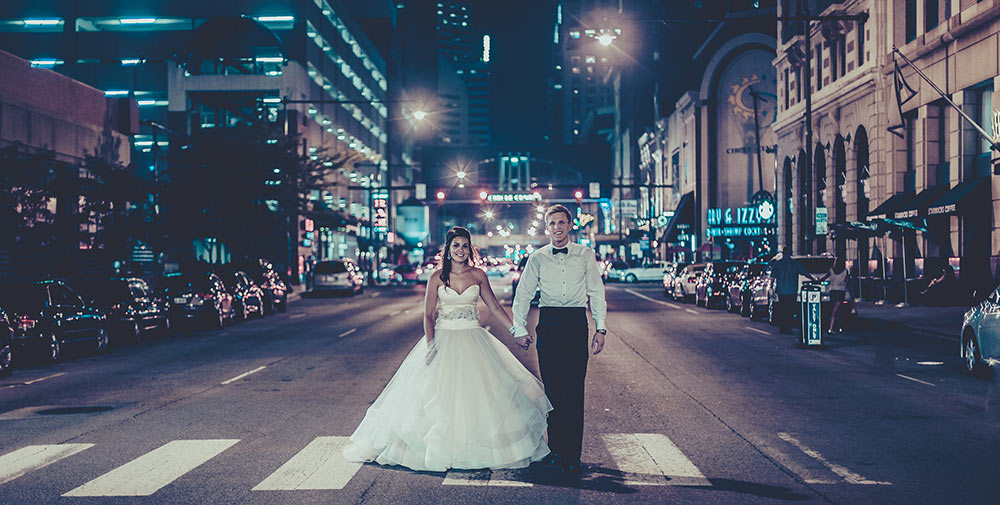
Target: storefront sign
514,197
821,221
380,203
629,208
739,222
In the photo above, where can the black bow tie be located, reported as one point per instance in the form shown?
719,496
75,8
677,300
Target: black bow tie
564,250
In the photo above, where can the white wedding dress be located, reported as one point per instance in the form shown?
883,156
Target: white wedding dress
474,406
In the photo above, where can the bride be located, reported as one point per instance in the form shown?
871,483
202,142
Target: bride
460,399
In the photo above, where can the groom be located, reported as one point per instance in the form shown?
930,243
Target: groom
568,277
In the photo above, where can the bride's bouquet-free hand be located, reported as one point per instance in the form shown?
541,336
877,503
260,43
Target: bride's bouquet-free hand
431,350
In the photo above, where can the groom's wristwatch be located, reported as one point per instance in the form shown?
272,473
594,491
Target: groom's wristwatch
602,331
512,330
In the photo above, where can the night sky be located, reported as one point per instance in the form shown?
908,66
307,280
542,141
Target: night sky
521,36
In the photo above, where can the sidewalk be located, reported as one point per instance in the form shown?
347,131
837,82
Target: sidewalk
936,321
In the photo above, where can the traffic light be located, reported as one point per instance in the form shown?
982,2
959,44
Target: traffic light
579,197
308,232
440,196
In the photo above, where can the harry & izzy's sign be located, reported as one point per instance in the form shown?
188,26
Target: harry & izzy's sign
754,221
514,197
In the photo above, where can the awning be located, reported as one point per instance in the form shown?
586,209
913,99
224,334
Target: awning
949,203
856,230
917,206
890,206
683,214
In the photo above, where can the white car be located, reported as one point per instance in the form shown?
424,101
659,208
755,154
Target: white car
686,282
424,272
651,272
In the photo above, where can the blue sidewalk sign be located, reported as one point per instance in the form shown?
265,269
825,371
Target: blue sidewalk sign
812,315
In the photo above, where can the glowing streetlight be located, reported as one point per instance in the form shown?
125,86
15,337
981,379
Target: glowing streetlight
488,214
483,195
419,115
578,195
460,174
605,39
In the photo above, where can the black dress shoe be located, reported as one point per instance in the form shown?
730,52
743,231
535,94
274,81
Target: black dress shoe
572,468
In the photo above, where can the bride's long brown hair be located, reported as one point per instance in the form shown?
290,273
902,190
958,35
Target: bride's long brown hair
457,231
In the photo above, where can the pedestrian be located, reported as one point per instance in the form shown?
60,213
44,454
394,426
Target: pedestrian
460,399
837,277
786,271
568,277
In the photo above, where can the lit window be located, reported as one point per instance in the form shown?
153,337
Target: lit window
576,132
557,86
576,92
575,70
574,34
590,59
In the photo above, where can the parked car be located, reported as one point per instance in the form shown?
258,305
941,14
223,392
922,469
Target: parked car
763,295
131,307
408,273
45,316
341,275
643,273
272,284
248,298
980,343
687,282
6,343
424,273
198,296
613,273
711,289
739,288
670,275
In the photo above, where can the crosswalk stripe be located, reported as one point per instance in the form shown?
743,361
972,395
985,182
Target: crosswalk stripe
842,471
152,471
492,478
33,457
317,466
651,459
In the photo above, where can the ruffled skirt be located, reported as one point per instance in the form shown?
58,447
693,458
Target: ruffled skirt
475,406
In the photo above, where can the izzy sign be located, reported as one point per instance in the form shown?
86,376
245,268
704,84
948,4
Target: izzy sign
740,222
514,197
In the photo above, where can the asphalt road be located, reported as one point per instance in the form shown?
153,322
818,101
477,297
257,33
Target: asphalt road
685,405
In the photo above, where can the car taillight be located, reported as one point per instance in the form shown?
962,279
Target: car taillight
691,279
25,323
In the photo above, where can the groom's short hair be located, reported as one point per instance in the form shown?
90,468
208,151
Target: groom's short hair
558,208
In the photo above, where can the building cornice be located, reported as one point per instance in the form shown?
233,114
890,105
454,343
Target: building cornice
861,85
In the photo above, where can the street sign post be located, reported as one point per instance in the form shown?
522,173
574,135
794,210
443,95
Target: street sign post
821,221
812,315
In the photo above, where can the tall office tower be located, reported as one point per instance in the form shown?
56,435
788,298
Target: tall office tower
467,52
579,81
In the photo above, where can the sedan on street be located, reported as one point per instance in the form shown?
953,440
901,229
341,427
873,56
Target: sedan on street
687,282
740,288
270,282
6,343
200,297
644,273
711,289
45,316
131,308
980,342
338,276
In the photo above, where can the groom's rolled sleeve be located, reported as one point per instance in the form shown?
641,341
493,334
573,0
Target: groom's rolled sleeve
526,288
595,292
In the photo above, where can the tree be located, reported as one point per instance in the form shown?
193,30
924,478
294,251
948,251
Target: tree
244,187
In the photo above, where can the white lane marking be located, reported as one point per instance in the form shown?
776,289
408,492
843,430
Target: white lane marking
152,471
27,383
348,332
33,457
907,377
376,295
395,313
692,311
762,332
491,478
654,300
298,314
319,465
652,459
242,375
809,475
844,472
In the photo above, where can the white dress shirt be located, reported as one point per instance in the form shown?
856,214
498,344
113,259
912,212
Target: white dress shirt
565,280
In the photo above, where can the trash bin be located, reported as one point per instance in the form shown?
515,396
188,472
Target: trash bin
811,316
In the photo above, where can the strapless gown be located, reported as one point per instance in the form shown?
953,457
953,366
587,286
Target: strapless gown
474,406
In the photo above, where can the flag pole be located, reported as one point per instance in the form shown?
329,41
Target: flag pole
978,128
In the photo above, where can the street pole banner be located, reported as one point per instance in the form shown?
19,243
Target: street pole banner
812,315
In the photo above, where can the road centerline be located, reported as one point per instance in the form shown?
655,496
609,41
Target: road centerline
654,300
242,375
348,332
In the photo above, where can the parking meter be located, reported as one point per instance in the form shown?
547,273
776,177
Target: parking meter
812,314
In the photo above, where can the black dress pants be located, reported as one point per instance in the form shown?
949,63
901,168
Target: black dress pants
563,350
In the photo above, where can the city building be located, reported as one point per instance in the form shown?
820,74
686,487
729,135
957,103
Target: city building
198,65
61,141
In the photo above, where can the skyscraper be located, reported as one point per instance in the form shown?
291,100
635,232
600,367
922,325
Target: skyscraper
467,52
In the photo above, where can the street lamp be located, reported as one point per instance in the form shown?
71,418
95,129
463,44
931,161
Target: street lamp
419,115
605,39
